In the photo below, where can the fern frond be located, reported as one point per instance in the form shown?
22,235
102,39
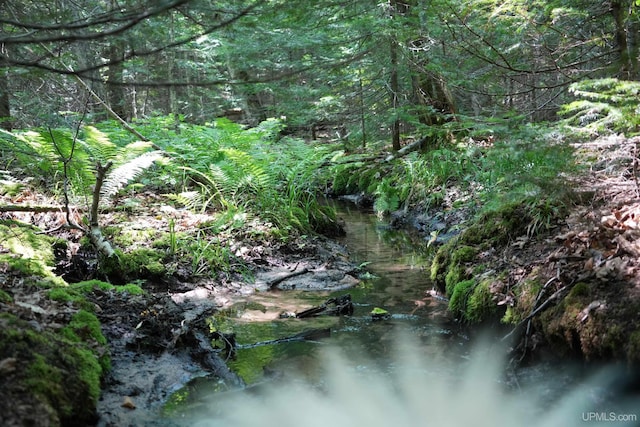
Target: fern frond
189,199
223,182
98,145
131,151
121,175
249,171
210,188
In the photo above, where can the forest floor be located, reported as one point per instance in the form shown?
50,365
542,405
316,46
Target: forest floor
161,339
158,341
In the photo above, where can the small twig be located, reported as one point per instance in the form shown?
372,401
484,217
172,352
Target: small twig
538,308
635,167
65,168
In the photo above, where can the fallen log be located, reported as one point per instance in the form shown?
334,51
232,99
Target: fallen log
338,306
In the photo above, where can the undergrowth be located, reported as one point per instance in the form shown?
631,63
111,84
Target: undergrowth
526,165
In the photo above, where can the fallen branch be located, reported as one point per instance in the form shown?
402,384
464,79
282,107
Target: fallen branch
338,306
32,208
414,146
275,282
308,335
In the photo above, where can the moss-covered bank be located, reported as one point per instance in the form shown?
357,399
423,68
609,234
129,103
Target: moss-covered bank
52,351
56,372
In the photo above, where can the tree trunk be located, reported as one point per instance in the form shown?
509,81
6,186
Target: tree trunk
5,104
116,94
394,85
619,12
633,41
362,113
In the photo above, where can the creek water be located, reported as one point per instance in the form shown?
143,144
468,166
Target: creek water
415,367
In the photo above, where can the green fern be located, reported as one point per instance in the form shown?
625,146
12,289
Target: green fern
191,200
58,152
245,170
387,198
125,172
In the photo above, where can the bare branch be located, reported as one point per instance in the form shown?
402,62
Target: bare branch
64,35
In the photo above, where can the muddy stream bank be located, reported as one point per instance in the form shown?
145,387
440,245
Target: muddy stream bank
168,387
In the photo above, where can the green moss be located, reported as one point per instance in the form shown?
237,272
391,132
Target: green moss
447,268
633,348
525,295
496,227
61,374
167,240
30,254
89,369
91,285
613,341
46,381
578,293
25,240
5,297
440,263
85,325
63,294
454,276
139,263
511,316
480,305
461,292
131,289
463,254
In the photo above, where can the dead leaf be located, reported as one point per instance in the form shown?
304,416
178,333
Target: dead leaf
8,365
595,305
128,403
609,221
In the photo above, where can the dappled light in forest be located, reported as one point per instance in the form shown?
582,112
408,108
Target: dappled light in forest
197,199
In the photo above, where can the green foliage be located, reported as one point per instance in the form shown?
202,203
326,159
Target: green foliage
5,297
208,255
52,149
633,352
604,105
249,170
387,199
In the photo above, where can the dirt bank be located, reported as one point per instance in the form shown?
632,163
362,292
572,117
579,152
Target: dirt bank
570,287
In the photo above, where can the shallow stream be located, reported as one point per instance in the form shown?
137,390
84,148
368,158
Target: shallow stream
415,367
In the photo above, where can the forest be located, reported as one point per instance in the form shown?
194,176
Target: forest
168,164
